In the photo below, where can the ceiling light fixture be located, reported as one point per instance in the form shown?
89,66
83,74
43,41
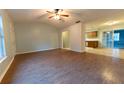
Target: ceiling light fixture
57,14
57,17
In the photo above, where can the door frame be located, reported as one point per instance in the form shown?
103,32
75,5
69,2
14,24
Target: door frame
112,38
68,42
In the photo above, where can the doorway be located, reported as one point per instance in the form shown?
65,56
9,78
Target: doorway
65,39
113,39
108,39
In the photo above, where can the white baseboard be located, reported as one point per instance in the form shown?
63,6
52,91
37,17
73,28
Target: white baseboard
35,51
73,50
66,48
3,74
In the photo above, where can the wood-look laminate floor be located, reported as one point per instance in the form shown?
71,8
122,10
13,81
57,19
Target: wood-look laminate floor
66,67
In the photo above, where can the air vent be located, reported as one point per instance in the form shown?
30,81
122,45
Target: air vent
78,21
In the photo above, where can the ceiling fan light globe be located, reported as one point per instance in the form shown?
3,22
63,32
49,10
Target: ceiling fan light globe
57,17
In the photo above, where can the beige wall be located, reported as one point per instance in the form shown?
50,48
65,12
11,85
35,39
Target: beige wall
35,37
76,37
9,42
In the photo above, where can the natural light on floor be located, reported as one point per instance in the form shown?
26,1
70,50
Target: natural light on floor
119,53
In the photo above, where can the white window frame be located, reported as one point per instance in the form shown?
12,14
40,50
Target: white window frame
2,41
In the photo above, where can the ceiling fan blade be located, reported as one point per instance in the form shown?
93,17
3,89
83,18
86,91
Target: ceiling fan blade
49,12
50,16
65,15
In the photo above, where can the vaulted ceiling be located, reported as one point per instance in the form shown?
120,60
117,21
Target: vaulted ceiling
84,15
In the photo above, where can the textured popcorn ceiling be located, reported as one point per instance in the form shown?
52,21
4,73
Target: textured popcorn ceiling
85,15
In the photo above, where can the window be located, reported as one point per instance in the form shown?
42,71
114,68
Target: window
116,36
2,47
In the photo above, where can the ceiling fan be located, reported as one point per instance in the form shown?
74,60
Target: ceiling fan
57,14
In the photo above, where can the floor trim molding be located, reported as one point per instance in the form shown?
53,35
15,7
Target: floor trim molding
36,51
74,50
3,74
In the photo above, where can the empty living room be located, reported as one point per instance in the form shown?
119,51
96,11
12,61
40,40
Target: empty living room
61,46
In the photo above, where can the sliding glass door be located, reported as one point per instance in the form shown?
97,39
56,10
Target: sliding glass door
108,39
113,39
119,38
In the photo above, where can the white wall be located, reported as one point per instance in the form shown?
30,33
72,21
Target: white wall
76,37
9,42
35,37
